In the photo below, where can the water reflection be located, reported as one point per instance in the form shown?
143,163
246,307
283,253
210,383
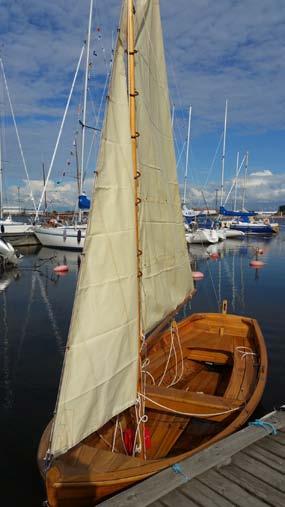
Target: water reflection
35,310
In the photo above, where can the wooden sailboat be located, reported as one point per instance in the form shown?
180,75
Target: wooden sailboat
139,391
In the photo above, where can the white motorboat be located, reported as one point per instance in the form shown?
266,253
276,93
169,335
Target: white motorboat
202,236
7,253
66,237
232,233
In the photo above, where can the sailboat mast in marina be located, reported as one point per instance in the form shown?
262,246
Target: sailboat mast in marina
133,388
71,237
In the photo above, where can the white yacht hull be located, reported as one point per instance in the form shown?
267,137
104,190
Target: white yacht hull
231,233
10,227
201,236
63,237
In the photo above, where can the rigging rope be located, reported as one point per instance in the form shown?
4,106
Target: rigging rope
216,414
17,134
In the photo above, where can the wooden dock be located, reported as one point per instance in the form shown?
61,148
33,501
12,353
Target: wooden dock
21,239
245,469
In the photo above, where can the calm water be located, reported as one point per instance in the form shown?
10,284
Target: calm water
35,309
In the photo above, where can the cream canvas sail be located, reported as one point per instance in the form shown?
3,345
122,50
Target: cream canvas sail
101,363
100,372
166,279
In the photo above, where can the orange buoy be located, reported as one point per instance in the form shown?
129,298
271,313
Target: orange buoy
62,268
197,275
256,264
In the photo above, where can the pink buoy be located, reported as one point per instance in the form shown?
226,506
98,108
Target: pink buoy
62,268
197,275
256,264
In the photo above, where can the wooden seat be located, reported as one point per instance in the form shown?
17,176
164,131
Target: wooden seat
213,341
243,374
197,404
208,356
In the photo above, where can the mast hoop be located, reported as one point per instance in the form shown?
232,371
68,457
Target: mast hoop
138,175
134,94
138,201
137,134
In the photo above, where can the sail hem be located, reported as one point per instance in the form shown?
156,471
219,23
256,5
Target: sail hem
89,432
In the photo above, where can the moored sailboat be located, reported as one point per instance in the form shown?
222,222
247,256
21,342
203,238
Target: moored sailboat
72,236
138,391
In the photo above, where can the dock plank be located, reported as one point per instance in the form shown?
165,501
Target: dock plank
257,487
279,438
260,470
230,490
203,495
160,485
178,498
273,447
265,456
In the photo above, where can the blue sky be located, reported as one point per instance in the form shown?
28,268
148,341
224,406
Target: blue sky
231,49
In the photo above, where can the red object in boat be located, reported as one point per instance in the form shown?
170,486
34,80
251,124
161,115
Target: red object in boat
197,275
129,437
256,264
147,438
62,268
214,255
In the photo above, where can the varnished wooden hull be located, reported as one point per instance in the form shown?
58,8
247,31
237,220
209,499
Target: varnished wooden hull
224,375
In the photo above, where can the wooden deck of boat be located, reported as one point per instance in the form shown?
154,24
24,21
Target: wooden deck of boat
245,469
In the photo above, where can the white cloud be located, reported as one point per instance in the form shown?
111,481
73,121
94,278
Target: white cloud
262,174
214,50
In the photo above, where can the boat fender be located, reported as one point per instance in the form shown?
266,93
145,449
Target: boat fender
78,236
62,268
197,275
2,229
129,438
256,264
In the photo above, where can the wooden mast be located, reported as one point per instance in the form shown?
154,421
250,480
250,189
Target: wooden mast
136,174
